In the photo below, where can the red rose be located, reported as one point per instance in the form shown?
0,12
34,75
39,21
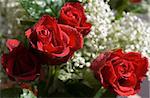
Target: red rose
58,42
120,72
135,1
72,14
20,64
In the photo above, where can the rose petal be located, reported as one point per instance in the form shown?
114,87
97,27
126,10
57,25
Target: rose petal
76,5
40,46
12,43
76,39
108,74
141,67
132,56
124,91
32,36
64,53
85,28
58,61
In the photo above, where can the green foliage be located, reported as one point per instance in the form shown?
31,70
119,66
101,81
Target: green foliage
27,22
100,92
10,93
120,6
136,8
36,8
78,89
85,86
124,5
108,94
32,8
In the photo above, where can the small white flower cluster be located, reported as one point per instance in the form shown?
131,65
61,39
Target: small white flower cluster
100,15
27,94
128,33
145,40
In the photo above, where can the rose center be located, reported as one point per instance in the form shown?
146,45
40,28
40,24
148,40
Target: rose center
70,14
44,36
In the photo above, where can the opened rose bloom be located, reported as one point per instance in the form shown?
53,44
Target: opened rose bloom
120,72
72,13
20,64
56,41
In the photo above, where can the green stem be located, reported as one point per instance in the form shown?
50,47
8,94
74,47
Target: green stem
51,74
100,92
22,4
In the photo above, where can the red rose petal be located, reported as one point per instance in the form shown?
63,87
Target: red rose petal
108,74
141,67
12,43
64,53
76,39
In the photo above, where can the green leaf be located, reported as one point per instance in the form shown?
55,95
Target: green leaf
120,6
108,94
32,8
11,93
41,88
20,37
78,89
28,22
100,92
26,43
89,78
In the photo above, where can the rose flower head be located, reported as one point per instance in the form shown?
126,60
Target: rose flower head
72,13
56,41
120,72
20,64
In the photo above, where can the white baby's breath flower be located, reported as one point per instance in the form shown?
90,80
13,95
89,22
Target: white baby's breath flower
128,33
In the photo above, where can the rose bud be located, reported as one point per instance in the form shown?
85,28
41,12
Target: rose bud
72,13
20,64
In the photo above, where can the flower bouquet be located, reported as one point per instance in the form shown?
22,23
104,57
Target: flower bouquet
78,49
